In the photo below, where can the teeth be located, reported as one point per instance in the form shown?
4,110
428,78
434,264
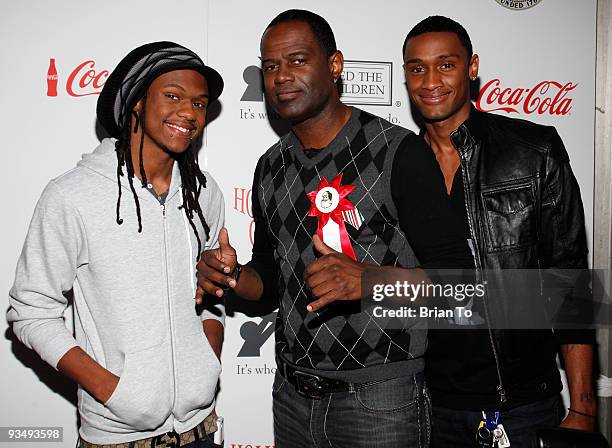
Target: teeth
179,128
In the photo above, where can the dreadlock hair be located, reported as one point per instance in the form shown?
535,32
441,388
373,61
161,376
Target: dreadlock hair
192,182
192,178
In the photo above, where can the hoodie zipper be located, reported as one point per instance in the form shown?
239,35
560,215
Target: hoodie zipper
170,316
501,391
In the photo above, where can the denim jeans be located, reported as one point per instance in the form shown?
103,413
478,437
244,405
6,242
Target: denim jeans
393,413
457,429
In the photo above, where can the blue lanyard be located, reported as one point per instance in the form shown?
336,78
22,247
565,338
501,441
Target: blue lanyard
491,422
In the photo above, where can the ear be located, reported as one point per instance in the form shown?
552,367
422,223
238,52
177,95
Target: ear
336,64
473,66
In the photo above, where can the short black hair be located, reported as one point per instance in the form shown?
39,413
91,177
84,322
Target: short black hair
440,24
319,26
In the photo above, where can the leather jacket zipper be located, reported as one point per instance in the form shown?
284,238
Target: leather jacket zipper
501,391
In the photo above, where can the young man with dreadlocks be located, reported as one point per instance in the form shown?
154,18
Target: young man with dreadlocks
146,360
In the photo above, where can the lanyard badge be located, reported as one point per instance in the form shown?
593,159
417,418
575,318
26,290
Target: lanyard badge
491,432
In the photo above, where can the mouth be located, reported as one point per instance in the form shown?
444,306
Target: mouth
433,99
287,95
183,131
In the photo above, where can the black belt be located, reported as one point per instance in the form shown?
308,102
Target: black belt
310,385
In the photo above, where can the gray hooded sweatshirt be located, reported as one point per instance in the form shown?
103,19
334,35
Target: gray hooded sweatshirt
133,297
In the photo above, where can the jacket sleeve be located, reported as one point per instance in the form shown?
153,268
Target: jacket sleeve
215,218
565,247
54,248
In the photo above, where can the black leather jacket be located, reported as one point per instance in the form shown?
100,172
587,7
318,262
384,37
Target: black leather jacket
524,212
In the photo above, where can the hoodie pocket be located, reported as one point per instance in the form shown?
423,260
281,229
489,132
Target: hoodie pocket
142,398
198,375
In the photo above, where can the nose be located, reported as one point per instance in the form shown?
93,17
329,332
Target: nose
283,74
432,79
186,110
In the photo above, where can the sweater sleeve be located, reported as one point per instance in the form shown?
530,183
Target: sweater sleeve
262,259
54,248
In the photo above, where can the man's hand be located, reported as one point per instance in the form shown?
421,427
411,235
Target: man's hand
332,277
214,268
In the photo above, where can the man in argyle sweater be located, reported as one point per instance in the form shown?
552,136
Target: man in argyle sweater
345,378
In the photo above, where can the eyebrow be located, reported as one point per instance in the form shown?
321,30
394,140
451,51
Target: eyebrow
298,52
177,86
440,57
292,54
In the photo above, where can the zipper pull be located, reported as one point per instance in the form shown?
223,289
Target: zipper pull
502,393
163,207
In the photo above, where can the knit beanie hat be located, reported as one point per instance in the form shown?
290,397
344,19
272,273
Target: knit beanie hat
128,83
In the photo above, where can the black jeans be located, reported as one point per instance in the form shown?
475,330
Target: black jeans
393,413
454,428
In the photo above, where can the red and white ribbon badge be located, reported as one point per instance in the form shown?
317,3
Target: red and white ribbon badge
331,207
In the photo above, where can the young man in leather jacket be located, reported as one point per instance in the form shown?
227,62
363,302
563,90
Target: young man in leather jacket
518,204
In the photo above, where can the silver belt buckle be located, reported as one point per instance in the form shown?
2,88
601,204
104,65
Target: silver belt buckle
308,385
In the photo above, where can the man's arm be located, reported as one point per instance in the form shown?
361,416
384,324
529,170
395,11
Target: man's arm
54,247
578,359
565,248
214,331
83,369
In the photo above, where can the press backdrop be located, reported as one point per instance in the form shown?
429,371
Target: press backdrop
537,62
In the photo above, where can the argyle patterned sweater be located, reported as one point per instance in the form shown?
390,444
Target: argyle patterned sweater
342,341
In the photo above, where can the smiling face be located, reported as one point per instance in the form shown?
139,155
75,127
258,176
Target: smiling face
175,110
298,75
438,75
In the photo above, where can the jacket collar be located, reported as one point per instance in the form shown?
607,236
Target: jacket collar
470,131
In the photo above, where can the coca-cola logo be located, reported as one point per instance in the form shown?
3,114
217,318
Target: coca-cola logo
546,97
85,79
